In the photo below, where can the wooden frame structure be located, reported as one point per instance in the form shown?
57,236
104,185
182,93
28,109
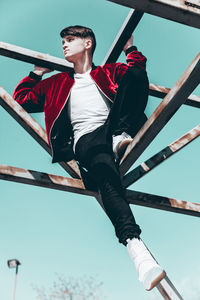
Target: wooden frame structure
186,12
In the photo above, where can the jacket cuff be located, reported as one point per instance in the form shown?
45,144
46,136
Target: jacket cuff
34,76
130,49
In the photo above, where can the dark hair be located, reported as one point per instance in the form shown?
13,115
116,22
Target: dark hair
80,31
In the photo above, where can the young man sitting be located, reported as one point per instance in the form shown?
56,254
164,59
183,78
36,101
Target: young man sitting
91,114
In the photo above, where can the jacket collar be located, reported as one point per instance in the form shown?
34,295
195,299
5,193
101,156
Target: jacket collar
71,71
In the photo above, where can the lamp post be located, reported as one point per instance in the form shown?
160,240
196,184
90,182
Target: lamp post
14,263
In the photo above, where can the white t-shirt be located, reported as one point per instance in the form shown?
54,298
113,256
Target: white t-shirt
88,107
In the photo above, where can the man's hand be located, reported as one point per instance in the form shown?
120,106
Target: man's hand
129,43
41,70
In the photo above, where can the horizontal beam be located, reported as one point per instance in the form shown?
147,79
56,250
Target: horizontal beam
161,91
163,113
76,186
163,203
33,128
44,180
161,156
59,64
185,12
123,35
33,57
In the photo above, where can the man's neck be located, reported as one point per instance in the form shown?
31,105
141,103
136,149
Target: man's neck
82,66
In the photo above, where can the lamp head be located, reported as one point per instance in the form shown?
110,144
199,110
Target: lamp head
13,263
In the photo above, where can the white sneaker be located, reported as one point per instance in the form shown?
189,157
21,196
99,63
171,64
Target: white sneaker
120,143
150,273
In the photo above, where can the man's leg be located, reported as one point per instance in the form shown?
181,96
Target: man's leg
94,152
127,117
103,169
127,113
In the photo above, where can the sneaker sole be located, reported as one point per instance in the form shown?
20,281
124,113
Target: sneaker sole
157,280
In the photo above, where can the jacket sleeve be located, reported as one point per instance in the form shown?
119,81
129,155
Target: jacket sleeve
133,58
29,94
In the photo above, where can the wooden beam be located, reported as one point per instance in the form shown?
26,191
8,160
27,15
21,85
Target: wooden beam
76,186
163,113
168,290
44,180
163,203
185,12
161,156
33,57
33,128
59,64
123,35
161,91
166,287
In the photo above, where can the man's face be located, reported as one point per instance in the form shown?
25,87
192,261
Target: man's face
73,47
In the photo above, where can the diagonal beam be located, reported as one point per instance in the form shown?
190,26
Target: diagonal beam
163,203
161,91
76,186
166,287
33,57
33,128
165,110
161,156
185,12
123,35
168,290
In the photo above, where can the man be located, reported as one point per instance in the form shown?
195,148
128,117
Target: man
91,114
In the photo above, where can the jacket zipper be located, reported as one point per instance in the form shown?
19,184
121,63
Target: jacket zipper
57,118
64,105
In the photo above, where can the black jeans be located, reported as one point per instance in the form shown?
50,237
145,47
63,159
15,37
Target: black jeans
94,150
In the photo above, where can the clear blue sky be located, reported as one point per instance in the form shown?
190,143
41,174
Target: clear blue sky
52,231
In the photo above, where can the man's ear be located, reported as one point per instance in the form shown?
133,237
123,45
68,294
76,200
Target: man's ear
88,44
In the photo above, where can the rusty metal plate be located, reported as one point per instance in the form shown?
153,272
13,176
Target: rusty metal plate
189,5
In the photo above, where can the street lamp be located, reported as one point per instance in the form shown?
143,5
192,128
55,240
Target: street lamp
14,263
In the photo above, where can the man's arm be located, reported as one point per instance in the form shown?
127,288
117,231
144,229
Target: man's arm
29,92
133,58
129,44
40,71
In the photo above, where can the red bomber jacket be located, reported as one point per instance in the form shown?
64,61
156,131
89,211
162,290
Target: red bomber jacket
50,95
